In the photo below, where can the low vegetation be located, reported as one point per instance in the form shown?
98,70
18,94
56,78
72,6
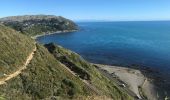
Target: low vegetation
44,77
47,76
14,49
80,66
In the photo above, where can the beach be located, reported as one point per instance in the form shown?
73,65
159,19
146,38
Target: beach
133,79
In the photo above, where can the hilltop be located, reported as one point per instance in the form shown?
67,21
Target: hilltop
52,72
39,24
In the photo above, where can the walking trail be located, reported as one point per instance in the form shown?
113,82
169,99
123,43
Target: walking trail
23,67
29,58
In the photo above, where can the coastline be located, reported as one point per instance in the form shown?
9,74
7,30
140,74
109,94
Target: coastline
50,33
133,79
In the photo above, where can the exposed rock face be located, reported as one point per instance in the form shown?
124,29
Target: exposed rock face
39,24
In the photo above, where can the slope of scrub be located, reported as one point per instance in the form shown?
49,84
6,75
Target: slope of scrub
45,77
14,49
48,74
87,71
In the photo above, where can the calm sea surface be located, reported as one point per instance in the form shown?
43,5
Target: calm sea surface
143,43
120,43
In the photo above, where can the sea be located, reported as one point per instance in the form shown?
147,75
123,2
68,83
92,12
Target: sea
123,43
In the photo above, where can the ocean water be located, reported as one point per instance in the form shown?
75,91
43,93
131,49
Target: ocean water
145,43
141,43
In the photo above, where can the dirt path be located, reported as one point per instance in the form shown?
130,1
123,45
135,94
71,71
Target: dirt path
12,75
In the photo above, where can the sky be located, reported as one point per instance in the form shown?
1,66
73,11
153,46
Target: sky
109,10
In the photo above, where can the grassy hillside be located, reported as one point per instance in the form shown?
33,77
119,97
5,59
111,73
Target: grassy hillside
86,71
14,49
38,24
47,75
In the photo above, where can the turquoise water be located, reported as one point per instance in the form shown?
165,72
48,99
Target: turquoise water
120,43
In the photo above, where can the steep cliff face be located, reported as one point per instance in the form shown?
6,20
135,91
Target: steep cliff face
39,24
52,72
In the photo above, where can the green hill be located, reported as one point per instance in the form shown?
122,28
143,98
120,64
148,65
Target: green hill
53,72
39,24
14,49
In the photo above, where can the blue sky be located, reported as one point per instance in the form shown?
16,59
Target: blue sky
115,10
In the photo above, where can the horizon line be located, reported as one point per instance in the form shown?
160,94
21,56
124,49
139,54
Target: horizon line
95,20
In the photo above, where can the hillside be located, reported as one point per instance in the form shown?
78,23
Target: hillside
14,49
52,72
39,24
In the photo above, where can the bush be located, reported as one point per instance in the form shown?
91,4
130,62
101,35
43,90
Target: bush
69,86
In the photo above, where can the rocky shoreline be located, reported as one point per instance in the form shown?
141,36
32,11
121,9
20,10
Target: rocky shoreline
134,79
